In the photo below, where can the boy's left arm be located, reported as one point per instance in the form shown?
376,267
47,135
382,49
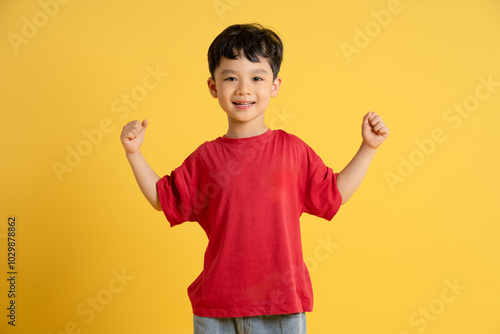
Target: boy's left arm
374,132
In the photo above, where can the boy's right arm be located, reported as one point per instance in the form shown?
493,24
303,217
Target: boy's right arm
132,137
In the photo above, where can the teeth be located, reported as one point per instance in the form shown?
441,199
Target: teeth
244,104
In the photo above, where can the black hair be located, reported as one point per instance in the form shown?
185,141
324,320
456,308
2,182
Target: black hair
253,39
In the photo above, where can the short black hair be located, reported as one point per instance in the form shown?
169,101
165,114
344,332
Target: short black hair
253,39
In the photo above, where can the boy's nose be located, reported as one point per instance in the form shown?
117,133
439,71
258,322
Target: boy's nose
243,89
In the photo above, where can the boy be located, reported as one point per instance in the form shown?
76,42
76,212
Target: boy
247,190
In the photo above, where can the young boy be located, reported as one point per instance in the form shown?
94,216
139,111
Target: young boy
247,189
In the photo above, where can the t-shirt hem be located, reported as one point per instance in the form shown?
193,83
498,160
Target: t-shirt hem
251,312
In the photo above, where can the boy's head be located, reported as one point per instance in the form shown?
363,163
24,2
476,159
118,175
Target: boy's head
252,41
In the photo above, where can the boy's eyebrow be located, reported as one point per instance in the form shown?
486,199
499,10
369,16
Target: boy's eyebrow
227,72
260,70
230,71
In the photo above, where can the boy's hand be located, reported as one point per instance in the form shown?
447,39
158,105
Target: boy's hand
373,130
132,135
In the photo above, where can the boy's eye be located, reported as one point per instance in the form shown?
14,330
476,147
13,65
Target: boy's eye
257,79
230,79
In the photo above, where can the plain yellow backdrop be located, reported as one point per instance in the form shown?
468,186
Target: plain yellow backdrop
414,251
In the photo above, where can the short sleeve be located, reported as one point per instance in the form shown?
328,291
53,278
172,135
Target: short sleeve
322,197
174,195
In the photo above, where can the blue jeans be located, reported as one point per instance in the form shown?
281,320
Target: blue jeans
265,324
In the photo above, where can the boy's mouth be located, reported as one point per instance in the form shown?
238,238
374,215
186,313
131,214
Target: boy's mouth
243,103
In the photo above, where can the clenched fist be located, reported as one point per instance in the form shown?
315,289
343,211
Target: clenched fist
132,135
374,130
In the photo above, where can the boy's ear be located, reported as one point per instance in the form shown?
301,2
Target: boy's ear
212,87
276,87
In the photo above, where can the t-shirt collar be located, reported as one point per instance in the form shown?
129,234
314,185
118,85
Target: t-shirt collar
247,140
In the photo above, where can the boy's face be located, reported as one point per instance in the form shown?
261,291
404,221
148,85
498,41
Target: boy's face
244,89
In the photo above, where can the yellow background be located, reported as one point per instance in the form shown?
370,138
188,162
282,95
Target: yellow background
395,244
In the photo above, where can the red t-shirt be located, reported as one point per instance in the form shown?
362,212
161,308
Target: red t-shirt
248,195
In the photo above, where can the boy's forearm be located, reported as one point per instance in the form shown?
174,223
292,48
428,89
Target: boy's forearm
350,178
146,178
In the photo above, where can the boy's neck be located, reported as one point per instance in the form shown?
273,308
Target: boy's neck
245,130
245,133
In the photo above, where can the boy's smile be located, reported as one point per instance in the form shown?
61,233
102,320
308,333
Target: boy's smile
244,90
243,104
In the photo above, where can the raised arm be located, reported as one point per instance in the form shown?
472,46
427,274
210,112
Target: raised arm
374,132
132,137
